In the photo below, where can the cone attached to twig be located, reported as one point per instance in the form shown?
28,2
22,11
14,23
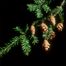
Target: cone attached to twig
52,35
32,29
60,26
46,45
44,27
52,20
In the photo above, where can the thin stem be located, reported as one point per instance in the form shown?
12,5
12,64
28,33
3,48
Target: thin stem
62,3
19,30
59,7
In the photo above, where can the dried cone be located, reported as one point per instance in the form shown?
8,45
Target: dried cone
52,20
60,26
44,27
52,35
46,45
32,29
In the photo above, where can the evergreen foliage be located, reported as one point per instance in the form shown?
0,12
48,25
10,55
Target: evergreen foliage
39,8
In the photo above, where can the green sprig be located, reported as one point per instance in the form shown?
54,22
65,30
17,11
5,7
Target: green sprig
25,44
8,46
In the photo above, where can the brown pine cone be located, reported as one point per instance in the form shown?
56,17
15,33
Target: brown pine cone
46,45
32,29
52,20
44,27
60,26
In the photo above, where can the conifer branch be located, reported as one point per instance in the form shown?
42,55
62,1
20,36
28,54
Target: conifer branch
46,22
8,47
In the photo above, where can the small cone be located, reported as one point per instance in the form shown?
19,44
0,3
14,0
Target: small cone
52,20
32,29
52,35
46,45
44,27
60,26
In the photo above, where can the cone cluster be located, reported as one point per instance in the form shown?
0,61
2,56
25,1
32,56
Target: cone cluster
44,28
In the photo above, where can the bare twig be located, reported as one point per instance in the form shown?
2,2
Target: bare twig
62,3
